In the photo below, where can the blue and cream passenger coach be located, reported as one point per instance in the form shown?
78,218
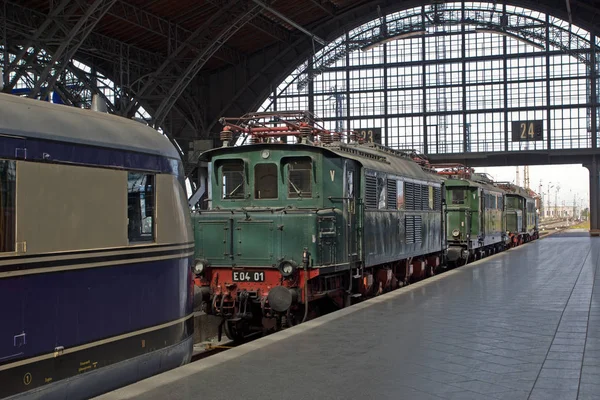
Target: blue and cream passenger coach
95,252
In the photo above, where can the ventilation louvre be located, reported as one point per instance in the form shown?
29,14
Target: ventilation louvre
392,202
370,192
413,232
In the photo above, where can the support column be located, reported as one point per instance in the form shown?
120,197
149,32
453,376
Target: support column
594,197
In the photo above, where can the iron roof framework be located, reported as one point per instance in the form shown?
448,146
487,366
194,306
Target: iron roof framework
191,63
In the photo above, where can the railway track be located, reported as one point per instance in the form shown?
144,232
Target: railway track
206,349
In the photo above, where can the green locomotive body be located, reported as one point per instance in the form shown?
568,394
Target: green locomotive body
520,214
291,227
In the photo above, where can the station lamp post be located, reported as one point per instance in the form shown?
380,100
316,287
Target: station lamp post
549,209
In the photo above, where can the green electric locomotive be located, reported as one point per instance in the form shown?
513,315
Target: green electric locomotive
294,227
474,215
520,213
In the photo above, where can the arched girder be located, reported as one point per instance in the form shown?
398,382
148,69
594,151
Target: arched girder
200,60
69,45
46,31
164,70
149,22
91,85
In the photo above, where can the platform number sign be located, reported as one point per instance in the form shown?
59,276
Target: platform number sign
370,135
525,131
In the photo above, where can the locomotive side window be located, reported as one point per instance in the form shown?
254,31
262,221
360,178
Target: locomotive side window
299,178
400,194
140,207
265,181
458,196
7,205
233,179
409,189
431,198
381,193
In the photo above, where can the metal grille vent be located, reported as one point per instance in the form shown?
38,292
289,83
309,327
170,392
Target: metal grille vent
409,223
417,222
413,230
424,197
409,195
370,192
392,202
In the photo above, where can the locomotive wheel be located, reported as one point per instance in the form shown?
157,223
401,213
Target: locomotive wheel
315,309
236,331
294,317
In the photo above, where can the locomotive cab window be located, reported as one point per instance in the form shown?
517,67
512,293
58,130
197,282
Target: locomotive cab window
299,174
7,205
265,181
233,181
458,196
140,207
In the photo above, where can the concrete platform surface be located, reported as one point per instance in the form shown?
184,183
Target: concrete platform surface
523,324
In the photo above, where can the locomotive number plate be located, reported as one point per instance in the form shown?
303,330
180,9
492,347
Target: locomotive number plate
248,276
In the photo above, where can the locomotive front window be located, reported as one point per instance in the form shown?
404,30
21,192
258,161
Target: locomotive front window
233,180
265,181
459,196
299,178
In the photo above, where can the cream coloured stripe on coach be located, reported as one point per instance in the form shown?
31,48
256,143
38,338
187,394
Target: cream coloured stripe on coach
94,344
10,274
90,253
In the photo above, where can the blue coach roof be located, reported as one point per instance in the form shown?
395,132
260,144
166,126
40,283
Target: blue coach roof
38,119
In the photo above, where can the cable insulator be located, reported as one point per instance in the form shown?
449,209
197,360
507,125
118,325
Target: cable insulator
305,130
226,135
326,138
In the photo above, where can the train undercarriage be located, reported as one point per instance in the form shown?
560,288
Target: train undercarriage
278,302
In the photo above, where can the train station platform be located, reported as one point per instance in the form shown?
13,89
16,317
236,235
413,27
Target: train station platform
523,324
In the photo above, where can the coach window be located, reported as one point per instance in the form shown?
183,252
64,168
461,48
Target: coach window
265,181
140,207
233,182
7,205
299,174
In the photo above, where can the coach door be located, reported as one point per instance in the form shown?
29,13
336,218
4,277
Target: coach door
350,209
